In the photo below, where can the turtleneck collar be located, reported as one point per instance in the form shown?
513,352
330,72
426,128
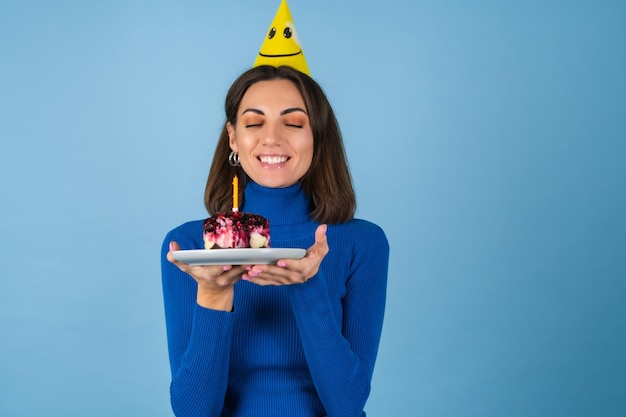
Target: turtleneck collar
282,206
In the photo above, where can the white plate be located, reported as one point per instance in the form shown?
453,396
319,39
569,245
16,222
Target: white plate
241,256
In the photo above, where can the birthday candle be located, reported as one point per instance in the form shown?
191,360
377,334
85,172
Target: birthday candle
235,193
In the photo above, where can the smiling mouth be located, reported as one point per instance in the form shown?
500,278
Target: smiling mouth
273,160
280,55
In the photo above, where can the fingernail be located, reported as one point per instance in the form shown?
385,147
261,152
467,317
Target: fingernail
170,246
282,264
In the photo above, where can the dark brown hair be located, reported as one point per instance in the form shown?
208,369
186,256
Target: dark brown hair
327,182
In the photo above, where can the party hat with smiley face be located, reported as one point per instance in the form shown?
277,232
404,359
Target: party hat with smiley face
281,45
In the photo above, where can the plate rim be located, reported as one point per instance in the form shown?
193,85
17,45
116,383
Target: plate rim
247,257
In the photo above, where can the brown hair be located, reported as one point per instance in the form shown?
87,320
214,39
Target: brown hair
327,182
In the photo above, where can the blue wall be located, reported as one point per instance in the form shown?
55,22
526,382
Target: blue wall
487,138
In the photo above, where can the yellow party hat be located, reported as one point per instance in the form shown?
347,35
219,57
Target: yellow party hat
281,45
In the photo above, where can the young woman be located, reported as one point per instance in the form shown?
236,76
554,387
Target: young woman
298,338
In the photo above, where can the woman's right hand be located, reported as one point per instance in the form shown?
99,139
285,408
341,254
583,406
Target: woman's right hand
215,282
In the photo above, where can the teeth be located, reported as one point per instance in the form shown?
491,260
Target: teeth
273,159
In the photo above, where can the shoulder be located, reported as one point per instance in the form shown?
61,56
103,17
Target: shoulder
359,228
360,235
359,245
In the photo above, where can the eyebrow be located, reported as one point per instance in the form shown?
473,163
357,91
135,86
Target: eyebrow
292,110
257,111
282,113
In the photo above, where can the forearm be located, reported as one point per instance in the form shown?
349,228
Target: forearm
198,345
199,383
339,371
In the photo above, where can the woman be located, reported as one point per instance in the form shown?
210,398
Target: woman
298,338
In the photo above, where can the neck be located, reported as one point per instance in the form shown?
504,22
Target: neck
282,206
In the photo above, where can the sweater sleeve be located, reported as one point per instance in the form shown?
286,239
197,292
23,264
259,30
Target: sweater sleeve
199,340
341,357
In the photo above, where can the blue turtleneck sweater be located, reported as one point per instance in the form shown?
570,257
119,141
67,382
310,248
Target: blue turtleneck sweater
298,350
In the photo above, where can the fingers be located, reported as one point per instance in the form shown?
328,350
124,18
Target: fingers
320,247
292,271
221,276
274,275
207,275
174,246
320,234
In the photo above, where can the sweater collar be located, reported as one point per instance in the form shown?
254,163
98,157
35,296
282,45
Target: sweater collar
281,206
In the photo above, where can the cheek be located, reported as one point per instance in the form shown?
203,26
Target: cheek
243,141
306,153
308,147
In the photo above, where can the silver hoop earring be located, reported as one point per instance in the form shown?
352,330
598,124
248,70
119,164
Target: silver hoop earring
233,159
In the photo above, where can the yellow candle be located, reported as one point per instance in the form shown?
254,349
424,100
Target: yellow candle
235,193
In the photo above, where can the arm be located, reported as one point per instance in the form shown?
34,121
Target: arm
341,357
199,341
340,353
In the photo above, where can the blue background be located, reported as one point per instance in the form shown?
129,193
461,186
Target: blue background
487,138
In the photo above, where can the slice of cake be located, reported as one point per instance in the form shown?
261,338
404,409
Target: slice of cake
236,230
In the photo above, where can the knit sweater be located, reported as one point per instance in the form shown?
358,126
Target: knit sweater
295,350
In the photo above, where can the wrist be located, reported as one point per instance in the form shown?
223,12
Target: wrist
216,299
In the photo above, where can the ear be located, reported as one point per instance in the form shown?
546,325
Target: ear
232,137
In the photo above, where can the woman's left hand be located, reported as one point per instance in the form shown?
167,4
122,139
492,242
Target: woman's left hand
292,271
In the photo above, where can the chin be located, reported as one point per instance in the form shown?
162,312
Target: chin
275,183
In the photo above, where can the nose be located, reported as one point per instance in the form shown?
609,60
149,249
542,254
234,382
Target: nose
272,135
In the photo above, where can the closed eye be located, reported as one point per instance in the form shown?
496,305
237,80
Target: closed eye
293,125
